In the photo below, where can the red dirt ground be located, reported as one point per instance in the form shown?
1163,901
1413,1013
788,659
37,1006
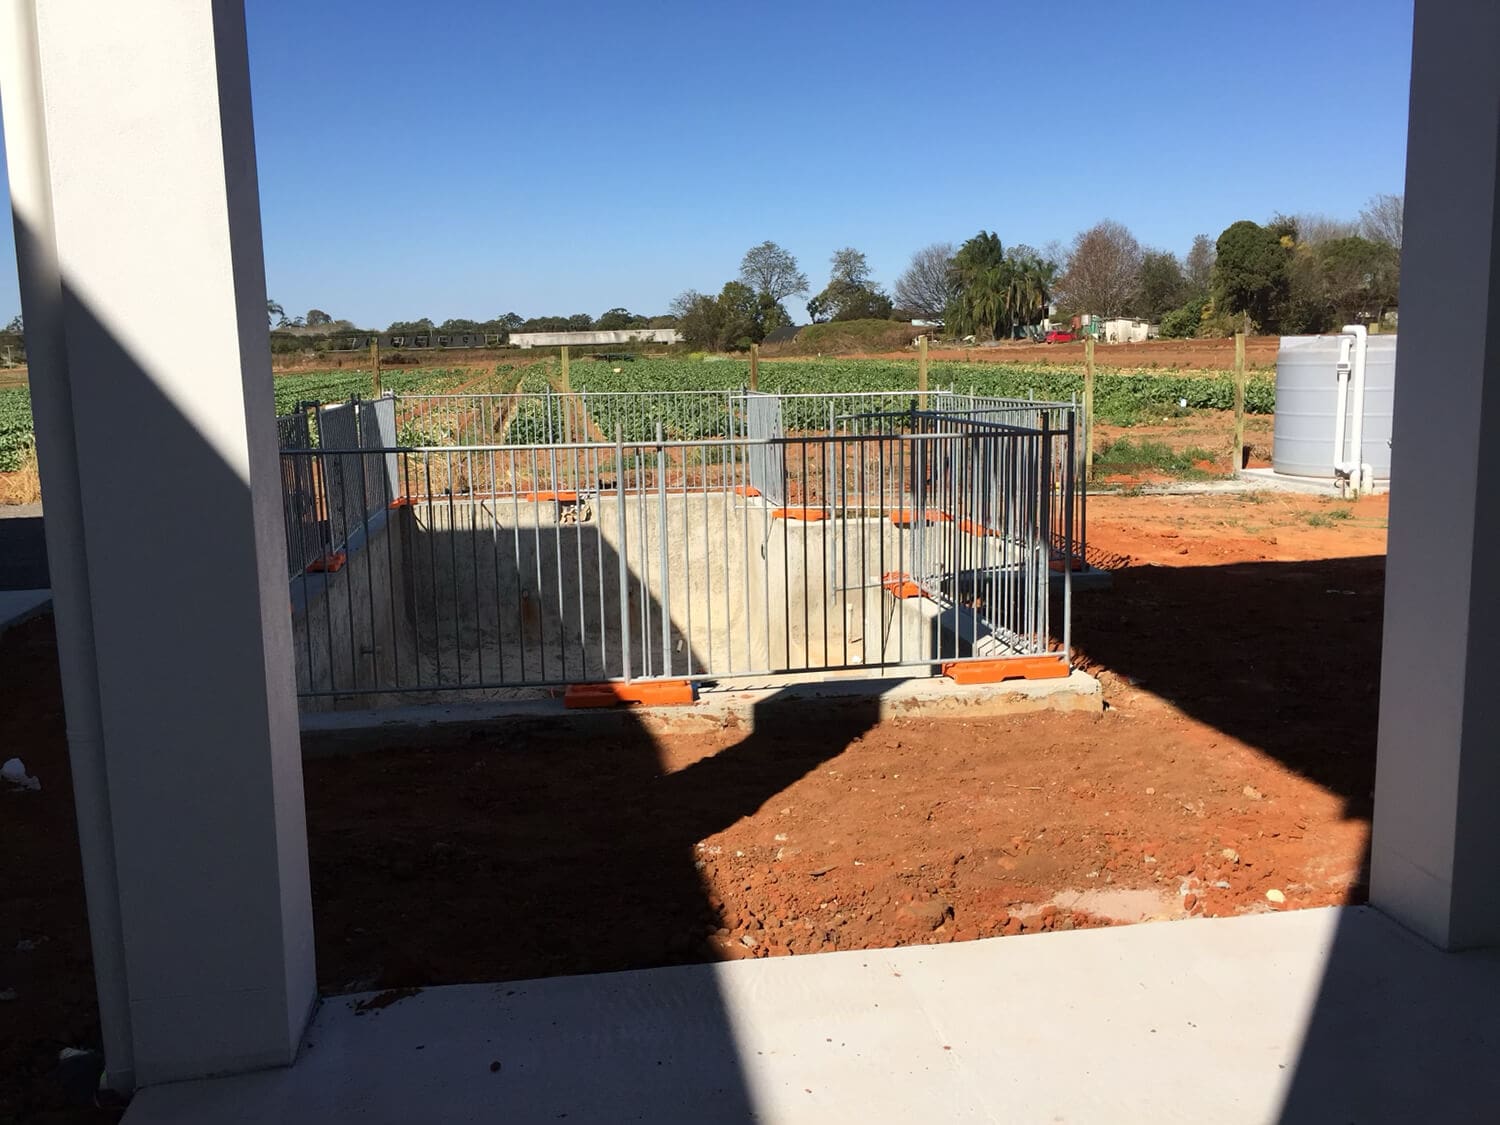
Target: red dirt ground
1186,355
1224,767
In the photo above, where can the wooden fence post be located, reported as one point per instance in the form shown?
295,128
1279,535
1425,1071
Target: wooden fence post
922,372
1088,408
375,364
755,367
1239,401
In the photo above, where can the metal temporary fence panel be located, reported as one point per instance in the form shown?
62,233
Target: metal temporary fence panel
896,538
766,459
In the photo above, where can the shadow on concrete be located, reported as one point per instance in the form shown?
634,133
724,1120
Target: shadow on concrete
1400,1031
524,851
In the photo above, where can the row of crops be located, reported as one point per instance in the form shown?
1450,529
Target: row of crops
341,386
1119,399
16,438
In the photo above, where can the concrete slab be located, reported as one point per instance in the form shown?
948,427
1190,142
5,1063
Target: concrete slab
17,606
1318,1015
733,701
1249,480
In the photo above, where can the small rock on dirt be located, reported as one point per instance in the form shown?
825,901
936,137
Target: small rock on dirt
931,912
1189,901
1275,896
1253,793
747,941
1231,855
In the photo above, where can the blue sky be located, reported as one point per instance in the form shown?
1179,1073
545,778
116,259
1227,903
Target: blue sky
468,159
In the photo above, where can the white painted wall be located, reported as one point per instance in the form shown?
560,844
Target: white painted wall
1436,848
137,193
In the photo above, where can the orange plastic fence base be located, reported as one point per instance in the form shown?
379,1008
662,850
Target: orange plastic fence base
905,517
328,564
900,585
1006,668
653,693
567,496
969,527
746,490
806,515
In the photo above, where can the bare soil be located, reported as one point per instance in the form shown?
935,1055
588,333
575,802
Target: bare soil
1184,355
1223,769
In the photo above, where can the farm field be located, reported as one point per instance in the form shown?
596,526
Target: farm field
534,852
1180,408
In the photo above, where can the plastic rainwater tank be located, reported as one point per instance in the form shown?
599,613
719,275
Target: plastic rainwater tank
1307,404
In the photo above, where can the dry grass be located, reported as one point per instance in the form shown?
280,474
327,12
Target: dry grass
23,486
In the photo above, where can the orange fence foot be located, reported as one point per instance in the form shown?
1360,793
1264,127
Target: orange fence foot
648,693
969,527
900,585
746,490
905,517
1006,668
328,564
807,515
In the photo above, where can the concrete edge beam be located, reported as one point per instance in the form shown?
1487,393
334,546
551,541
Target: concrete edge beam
332,733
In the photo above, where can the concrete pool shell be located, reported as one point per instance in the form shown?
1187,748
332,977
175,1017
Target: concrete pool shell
493,598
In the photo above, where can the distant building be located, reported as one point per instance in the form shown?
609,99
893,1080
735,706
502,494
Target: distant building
1125,330
783,335
595,338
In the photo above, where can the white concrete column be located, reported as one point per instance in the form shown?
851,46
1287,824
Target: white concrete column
1435,862
132,161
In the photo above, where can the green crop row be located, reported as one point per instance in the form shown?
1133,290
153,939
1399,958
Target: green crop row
340,386
16,435
537,420
1119,399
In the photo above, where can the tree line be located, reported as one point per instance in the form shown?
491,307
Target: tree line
1291,274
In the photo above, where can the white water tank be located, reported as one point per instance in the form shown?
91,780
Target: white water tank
1307,406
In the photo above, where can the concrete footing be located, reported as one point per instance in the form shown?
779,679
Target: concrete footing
739,702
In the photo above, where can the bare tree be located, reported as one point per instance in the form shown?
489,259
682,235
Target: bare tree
850,266
1380,221
1103,271
772,272
1315,229
1198,267
926,287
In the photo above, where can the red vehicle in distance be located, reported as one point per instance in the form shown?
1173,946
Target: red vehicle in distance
1060,336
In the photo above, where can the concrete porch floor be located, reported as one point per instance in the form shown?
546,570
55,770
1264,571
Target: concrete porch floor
1333,1015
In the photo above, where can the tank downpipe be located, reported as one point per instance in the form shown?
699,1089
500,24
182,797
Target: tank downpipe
1354,475
1340,417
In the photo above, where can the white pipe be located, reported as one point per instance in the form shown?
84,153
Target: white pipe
28,161
1357,405
1346,346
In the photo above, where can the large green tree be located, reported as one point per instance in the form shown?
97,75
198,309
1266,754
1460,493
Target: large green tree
849,294
994,291
1162,286
1251,275
616,319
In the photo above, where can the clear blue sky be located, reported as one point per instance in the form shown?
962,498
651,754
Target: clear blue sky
469,159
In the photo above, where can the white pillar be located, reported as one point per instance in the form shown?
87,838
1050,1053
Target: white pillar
1435,853
132,162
